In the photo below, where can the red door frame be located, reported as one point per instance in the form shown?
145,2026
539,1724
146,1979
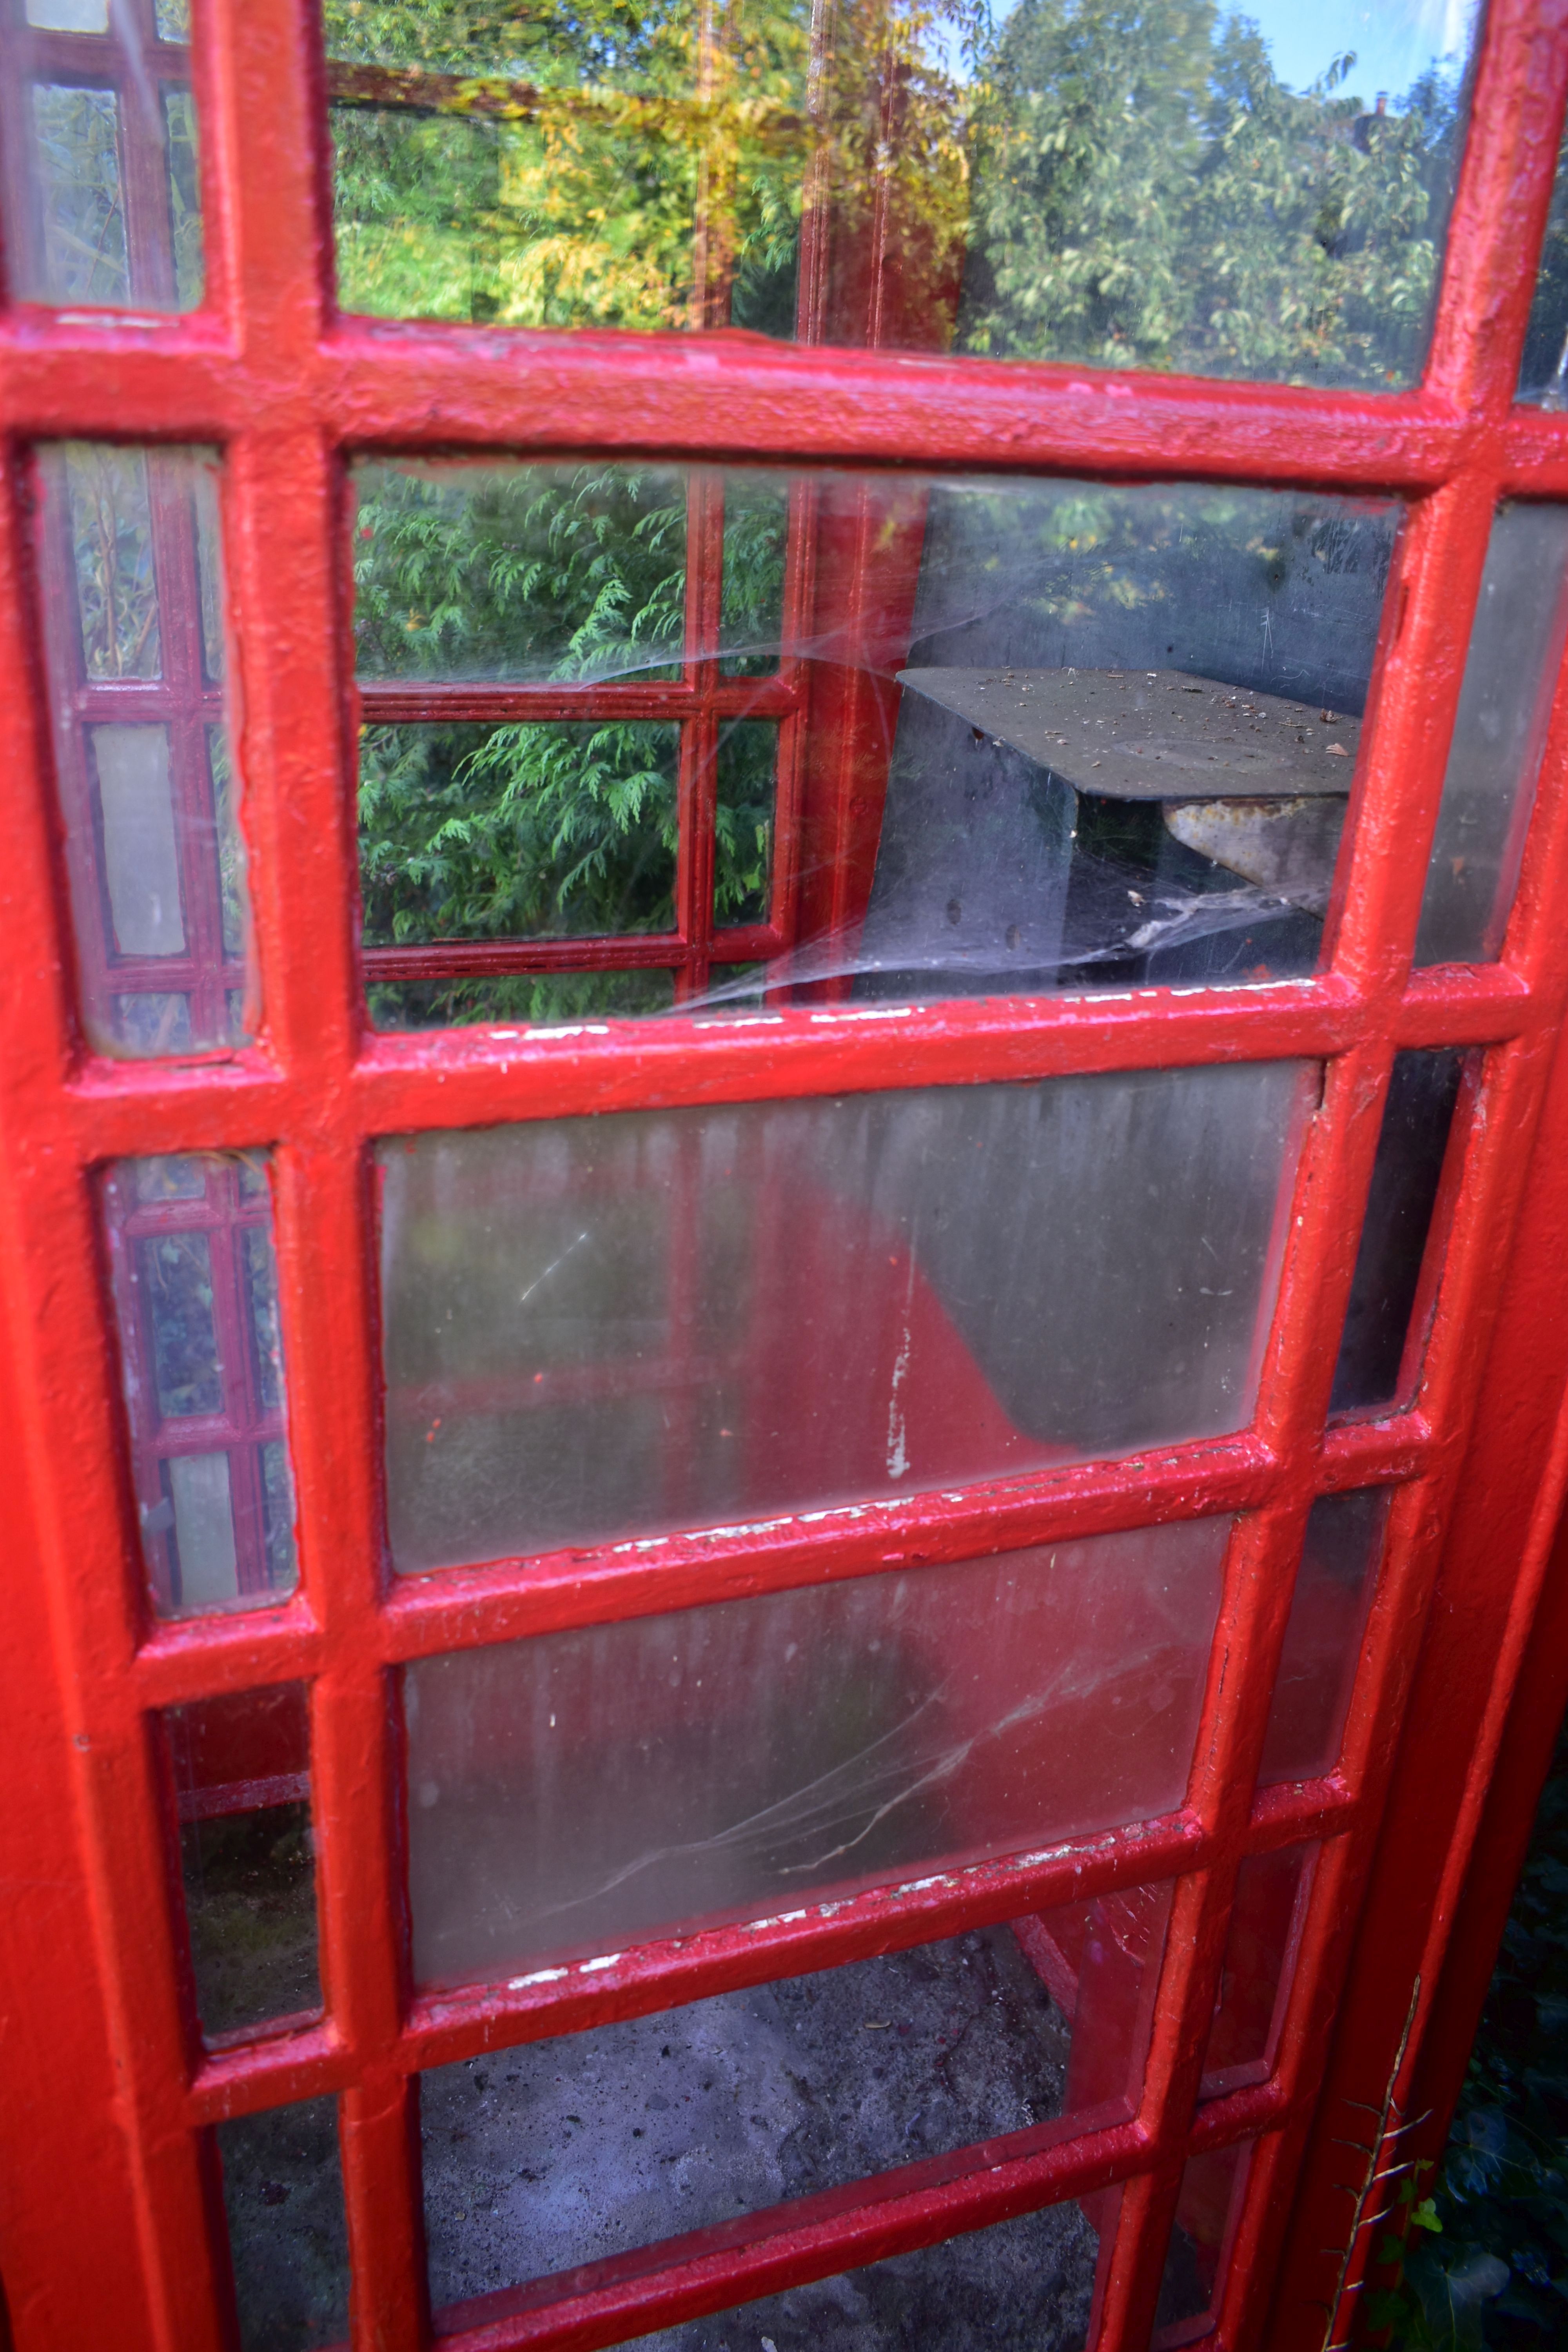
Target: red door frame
105,2086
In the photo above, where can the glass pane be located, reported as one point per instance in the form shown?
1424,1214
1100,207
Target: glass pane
283,2190
1499,733
743,822
242,1780
658,1319
129,562
1060,735
572,1792
1254,1978
520,572
1020,2286
95,113
195,1297
1334,1585
1417,1114
1543,368
1173,189
1206,2211
524,831
582,2148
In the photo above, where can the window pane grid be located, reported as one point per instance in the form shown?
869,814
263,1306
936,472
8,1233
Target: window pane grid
364,2007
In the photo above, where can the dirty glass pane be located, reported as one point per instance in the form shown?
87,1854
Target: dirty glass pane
559,2153
1417,1115
1260,196
1499,734
1020,2286
571,1792
95,109
129,561
196,1298
1065,735
1199,2253
283,2191
552,998
656,1320
1260,1957
242,1783
1334,1585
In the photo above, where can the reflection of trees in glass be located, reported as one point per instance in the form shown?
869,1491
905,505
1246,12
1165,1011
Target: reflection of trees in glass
1122,183
77,136
1149,193
111,539
185,196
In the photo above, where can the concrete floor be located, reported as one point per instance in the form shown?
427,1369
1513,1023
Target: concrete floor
564,2152
567,2152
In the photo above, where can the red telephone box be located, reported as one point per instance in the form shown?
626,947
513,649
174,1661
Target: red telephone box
1000,1422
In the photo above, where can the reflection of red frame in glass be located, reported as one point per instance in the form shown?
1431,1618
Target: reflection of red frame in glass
98,61
121,2104
209,975
245,1422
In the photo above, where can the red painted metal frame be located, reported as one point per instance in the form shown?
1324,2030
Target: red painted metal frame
104,2084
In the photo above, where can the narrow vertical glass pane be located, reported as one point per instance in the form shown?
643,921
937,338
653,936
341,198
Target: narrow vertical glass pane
602,1326
578,2149
1417,1115
104,178
756,521
573,1793
129,562
1543,364
110,558
747,780
78,181
1195,2266
1254,1978
283,2192
242,1783
1334,1585
195,1296
1175,189
1499,734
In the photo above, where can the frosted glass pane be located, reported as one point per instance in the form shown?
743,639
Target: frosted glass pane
203,1529
1499,733
140,860
1334,1586
666,1319
68,15
572,1792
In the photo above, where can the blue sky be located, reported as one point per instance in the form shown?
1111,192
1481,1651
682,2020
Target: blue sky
1394,40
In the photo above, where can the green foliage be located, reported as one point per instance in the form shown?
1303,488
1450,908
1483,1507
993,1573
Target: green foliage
1492,2267
1148,193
